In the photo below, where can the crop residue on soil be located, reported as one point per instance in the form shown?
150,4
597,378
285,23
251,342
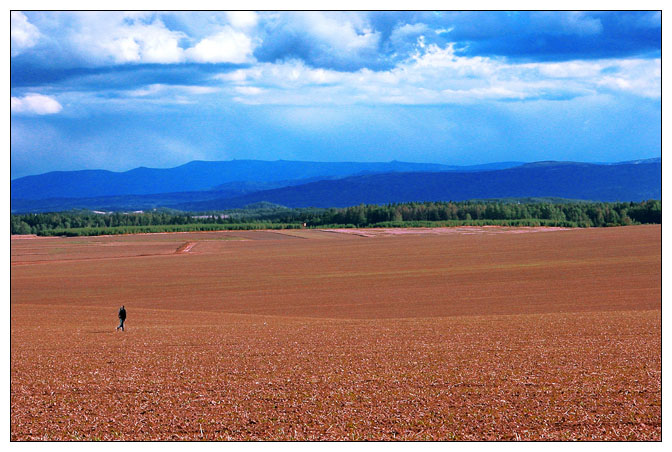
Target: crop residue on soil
462,230
488,334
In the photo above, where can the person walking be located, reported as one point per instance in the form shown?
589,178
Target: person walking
122,318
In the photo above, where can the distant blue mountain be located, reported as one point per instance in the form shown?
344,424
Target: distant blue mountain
200,175
627,181
610,182
149,201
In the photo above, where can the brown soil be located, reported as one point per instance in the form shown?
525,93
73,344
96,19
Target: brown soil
487,336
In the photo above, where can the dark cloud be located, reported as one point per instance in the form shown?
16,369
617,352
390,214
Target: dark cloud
531,36
26,75
349,41
558,36
340,41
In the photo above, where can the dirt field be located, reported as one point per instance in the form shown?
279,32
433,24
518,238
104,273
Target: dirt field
454,334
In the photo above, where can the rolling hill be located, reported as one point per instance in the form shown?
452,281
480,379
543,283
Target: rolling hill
626,181
201,175
620,182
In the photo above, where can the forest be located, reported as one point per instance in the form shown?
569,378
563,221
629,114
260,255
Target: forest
529,212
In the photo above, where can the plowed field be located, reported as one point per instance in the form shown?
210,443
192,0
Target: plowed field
446,334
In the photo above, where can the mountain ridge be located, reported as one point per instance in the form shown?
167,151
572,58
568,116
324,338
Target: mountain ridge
621,181
625,182
202,175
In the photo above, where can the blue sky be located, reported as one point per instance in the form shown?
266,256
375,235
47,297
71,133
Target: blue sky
113,90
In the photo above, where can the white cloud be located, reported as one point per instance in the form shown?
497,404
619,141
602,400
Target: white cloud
439,76
199,89
344,35
35,104
567,69
227,46
118,38
238,75
242,19
328,39
249,90
176,91
639,77
104,38
407,33
434,75
24,35
149,90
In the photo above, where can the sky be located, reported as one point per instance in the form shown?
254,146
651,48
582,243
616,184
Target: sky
116,91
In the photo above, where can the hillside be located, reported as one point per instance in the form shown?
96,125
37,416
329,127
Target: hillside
622,182
628,181
200,175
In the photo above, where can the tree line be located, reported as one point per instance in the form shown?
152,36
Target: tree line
506,213
571,214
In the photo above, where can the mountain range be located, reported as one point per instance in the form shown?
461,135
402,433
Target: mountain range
204,186
201,175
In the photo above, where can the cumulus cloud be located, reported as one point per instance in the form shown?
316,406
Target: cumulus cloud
35,104
335,58
94,39
24,35
405,35
242,19
104,38
347,41
639,77
437,75
342,36
333,40
227,46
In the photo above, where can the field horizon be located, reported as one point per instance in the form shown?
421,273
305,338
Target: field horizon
467,333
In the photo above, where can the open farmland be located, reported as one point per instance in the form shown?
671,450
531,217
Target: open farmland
474,333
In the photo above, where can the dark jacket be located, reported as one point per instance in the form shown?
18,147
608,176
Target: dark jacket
122,313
